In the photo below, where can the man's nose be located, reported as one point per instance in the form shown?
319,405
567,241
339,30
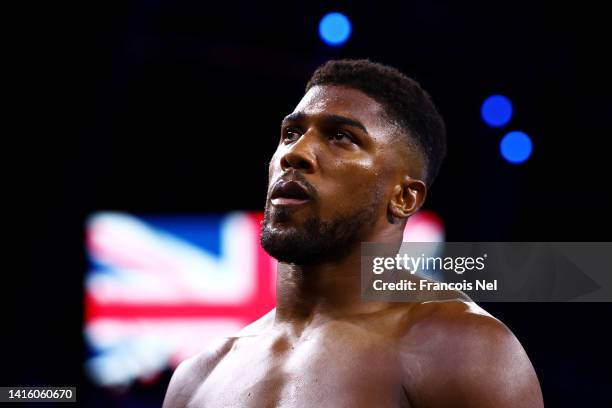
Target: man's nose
301,154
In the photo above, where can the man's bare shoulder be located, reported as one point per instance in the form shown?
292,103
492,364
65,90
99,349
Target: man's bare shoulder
451,325
447,313
192,373
259,326
457,354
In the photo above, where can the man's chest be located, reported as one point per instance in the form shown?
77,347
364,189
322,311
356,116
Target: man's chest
321,370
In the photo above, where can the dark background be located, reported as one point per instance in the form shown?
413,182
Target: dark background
156,107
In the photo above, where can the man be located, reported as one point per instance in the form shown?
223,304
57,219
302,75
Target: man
354,161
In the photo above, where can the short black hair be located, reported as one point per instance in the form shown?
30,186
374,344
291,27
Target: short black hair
404,100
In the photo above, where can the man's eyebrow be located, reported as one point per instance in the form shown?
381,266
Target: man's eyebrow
327,118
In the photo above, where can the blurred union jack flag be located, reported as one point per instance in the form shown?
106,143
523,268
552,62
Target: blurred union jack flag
160,289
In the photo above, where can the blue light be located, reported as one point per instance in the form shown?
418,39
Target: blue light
516,147
334,28
496,110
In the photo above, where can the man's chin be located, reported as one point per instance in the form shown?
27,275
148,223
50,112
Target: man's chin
307,240
282,243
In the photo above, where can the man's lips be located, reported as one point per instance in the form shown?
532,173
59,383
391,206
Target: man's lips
289,192
287,201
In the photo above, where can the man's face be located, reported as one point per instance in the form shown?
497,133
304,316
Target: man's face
330,177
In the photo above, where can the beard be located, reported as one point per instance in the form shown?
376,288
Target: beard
317,241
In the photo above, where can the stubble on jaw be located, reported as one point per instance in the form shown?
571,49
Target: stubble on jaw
316,241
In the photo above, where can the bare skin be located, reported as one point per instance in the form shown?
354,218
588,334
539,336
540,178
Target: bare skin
322,346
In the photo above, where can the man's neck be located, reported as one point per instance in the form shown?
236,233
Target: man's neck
308,294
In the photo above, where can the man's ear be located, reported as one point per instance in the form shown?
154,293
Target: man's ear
407,198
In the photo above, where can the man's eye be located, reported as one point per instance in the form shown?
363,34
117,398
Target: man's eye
290,135
340,136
